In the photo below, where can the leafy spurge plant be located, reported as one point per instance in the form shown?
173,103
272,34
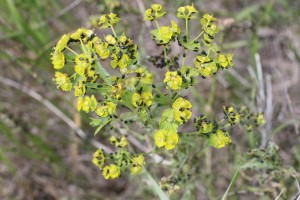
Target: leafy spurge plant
111,84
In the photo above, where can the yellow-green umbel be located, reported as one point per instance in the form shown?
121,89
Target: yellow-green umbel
181,108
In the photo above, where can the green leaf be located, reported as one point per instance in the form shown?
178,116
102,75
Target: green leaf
100,122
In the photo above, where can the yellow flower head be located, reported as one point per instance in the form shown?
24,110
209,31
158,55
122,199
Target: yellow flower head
110,39
162,35
219,139
117,91
166,138
222,61
58,59
260,119
62,43
187,12
232,114
62,81
107,108
111,171
181,108
125,61
99,158
79,89
145,76
137,163
153,13
119,141
106,21
101,48
87,104
83,60
82,34
142,100
173,80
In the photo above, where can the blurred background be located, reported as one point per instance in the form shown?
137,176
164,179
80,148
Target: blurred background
41,155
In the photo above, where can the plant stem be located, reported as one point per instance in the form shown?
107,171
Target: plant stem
113,30
231,182
187,28
184,57
156,22
198,36
71,50
212,93
155,187
165,57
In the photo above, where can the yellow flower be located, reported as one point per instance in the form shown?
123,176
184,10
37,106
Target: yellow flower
165,33
62,43
106,21
111,39
219,139
181,108
107,108
99,158
119,141
155,12
137,163
82,34
79,89
167,139
144,99
58,59
111,171
87,104
173,80
117,91
156,7
229,59
83,60
187,12
101,48
80,70
124,61
232,115
145,76
222,61
62,81
260,119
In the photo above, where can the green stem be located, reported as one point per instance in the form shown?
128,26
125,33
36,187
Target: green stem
212,93
155,187
231,182
198,36
165,57
71,50
187,28
156,22
183,59
113,30
192,133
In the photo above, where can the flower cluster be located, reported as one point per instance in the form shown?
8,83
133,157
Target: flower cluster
105,77
118,161
154,13
215,131
167,135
